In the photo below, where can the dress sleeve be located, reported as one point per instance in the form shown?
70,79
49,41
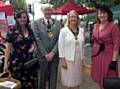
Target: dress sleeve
116,37
9,37
61,43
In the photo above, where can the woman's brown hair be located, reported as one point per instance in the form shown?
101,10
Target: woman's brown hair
105,9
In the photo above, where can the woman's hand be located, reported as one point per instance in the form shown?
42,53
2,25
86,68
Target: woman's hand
50,56
31,50
10,75
112,65
64,63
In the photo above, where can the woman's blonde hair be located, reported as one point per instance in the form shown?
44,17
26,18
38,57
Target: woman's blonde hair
68,15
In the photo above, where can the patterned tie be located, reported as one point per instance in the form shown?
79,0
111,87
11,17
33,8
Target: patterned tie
48,25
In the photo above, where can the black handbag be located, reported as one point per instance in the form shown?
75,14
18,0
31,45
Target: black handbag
111,82
31,63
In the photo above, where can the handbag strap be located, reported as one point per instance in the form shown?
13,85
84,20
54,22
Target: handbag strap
109,72
35,40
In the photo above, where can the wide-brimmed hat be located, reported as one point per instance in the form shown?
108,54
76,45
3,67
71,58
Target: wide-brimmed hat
105,8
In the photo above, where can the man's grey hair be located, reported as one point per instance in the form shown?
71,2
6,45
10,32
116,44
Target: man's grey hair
46,6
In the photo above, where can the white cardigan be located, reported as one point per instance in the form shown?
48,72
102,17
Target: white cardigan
66,44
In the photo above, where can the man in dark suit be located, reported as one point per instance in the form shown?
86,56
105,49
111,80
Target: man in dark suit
46,32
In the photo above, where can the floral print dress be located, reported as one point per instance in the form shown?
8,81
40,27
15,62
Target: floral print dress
19,55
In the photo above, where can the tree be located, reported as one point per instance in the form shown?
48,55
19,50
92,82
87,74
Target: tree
57,3
18,4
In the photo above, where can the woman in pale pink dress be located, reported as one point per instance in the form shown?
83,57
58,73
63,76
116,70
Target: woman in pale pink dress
108,33
70,44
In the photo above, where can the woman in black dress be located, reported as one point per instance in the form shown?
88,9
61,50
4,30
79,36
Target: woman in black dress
19,49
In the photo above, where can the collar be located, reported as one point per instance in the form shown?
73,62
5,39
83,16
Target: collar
45,20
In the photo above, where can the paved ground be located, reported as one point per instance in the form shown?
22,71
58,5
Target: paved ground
87,83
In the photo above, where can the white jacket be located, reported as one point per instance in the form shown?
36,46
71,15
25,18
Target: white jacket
66,44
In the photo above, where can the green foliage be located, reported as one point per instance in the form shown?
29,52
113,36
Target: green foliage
19,4
57,3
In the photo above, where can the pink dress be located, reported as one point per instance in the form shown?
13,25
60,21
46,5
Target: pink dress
110,35
72,77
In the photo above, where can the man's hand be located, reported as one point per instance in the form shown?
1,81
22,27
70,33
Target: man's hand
50,56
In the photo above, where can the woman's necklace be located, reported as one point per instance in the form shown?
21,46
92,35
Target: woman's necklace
75,33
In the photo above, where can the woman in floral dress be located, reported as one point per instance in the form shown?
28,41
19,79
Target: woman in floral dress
19,49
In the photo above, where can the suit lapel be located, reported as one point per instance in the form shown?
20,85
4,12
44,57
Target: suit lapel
43,23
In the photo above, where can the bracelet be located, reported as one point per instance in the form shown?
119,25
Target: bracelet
62,58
